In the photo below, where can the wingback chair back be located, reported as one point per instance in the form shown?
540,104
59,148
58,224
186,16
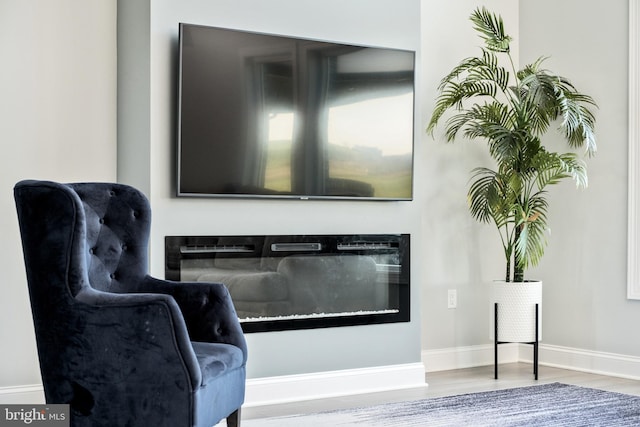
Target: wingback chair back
98,232
122,348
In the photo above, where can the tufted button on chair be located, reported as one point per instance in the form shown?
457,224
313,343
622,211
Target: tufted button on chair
121,347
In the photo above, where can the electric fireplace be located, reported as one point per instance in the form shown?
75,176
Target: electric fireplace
284,282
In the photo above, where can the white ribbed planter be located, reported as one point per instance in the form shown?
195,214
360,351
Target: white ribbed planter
516,310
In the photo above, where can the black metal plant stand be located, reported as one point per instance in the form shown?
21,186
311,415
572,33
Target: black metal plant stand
496,343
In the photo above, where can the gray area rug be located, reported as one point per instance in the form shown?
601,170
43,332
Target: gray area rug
541,405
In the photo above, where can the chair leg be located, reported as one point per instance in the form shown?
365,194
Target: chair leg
233,420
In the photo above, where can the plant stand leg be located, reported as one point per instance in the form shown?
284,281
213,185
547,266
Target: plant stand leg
495,340
535,345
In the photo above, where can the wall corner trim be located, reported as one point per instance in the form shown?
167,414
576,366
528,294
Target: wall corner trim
633,244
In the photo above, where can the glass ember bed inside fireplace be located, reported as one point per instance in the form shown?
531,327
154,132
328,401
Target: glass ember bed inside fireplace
300,281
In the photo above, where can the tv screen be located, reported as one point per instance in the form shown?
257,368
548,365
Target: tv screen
272,116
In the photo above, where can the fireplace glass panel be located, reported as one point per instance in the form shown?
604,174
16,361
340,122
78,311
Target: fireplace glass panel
299,282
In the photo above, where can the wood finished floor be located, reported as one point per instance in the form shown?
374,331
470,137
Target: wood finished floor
448,383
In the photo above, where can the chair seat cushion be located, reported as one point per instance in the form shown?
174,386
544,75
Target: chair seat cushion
216,359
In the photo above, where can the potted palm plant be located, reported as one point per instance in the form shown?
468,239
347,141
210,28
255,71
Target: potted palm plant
511,110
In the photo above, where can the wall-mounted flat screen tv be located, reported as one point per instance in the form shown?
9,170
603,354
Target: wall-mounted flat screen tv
272,116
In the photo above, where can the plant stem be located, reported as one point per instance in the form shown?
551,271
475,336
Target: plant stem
508,275
518,271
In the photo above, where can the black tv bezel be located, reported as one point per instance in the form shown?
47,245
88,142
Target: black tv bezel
281,196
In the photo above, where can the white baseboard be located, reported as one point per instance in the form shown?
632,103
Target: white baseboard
293,388
468,357
28,394
615,365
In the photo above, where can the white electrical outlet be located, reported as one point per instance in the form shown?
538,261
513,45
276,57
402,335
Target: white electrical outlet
452,298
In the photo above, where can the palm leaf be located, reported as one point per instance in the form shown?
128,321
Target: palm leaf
552,168
479,203
491,197
488,121
549,97
533,230
491,29
473,77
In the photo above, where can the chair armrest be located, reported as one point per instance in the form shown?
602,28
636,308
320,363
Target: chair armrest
138,330
207,309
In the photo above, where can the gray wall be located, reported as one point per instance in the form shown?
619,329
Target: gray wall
459,253
57,121
585,303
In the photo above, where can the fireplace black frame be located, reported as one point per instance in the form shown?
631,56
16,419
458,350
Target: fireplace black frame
179,248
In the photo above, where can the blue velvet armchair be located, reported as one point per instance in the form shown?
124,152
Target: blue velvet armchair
121,347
